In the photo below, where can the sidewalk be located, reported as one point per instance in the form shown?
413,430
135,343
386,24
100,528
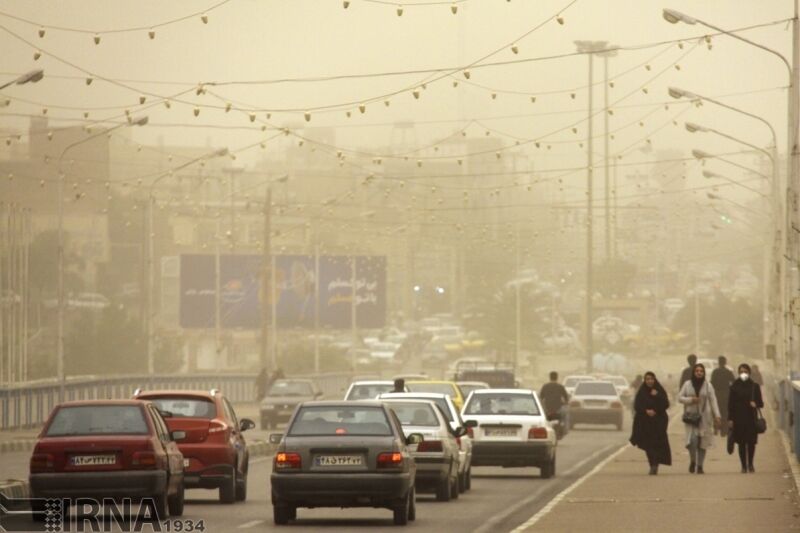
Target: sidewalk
621,497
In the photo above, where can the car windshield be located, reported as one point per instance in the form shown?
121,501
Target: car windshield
340,420
595,388
414,413
502,404
437,388
98,420
290,388
183,407
368,391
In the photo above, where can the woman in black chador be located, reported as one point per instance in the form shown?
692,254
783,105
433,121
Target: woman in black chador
650,423
743,401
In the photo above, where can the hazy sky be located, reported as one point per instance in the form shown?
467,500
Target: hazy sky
267,40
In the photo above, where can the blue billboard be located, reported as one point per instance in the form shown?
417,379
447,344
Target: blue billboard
309,291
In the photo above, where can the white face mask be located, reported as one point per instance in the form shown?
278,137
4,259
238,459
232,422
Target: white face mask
744,376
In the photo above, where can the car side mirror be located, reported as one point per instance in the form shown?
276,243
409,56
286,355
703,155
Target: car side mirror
460,431
414,438
275,438
178,435
470,423
245,424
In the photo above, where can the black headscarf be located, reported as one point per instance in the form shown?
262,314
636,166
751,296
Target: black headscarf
697,383
747,367
644,391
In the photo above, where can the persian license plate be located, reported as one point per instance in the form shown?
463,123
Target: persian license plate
185,463
500,432
93,460
338,460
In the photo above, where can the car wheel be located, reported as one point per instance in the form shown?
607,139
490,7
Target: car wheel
160,507
281,514
412,510
443,490
402,511
241,486
548,470
175,502
227,491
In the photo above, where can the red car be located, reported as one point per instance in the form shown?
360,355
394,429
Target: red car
214,450
108,449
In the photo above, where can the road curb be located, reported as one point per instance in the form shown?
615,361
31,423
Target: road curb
17,445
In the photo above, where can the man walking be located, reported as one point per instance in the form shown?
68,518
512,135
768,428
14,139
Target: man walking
721,379
686,375
555,397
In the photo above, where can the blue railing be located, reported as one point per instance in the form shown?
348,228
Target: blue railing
29,404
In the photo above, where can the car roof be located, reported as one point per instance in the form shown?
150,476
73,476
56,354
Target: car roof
98,403
373,382
478,392
417,394
174,392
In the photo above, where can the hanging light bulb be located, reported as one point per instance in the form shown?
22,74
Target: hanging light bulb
252,117
228,107
37,54
677,66
515,49
494,96
467,74
386,103
196,111
41,33
307,116
454,8
362,108
151,34
142,99
346,4
560,20
96,38
204,18
399,11
89,80
167,104
85,114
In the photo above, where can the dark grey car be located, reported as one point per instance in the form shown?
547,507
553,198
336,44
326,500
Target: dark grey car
283,397
343,454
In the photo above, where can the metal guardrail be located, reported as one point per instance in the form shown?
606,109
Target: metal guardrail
29,404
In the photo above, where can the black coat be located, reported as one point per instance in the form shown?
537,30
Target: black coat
721,379
650,432
742,413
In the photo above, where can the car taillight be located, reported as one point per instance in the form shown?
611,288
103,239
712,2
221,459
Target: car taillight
287,461
616,405
42,462
575,403
430,446
144,459
217,426
537,433
391,459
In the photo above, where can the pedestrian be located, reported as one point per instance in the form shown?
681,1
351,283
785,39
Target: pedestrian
756,376
554,397
743,402
399,385
700,414
650,422
686,374
721,379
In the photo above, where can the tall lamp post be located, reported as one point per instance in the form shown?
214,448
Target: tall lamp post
140,121
789,240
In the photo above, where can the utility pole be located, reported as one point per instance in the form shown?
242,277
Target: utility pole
589,48
793,357
518,328
316,302
266,278
605,55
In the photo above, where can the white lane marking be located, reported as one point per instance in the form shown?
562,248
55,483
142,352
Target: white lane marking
253,523
561,495
491,522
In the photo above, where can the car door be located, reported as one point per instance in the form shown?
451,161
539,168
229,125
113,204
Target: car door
170,449
237,439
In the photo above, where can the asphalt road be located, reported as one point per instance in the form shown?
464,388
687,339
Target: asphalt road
500,499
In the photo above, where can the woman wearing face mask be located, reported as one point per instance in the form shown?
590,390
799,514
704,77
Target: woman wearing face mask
650,422
697,396
745,397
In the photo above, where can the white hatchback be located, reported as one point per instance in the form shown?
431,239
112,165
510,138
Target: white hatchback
511,430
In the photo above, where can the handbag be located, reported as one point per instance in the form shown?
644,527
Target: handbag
693,418
761,423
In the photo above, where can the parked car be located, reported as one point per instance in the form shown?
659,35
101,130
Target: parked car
510,429
457,426
595,402
108,449
283,397
368,390
343,454
437,456
214,450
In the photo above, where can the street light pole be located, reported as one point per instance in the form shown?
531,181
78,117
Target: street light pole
141,121
606,55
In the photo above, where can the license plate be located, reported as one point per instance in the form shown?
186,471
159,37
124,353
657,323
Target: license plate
186,463
338,460
595,403
500,432
93,460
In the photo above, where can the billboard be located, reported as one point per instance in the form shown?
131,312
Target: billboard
310,291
